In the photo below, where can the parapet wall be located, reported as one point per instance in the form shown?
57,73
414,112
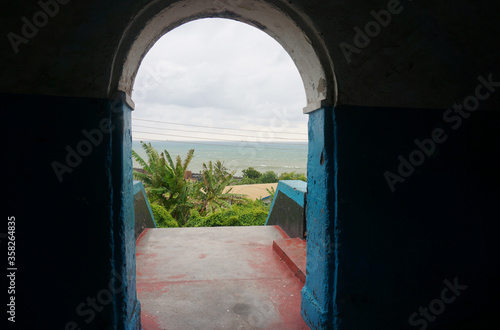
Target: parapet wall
288,208
143,214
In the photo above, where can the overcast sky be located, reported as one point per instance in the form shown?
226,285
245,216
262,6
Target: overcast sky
219,73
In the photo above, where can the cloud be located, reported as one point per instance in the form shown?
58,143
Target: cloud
218,72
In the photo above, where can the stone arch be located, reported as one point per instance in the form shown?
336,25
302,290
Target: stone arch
294,32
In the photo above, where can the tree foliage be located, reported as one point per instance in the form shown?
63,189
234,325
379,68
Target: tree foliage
293,176
164,180
178,201
250,213
163,219
272,192
215,179
246,181
251,173
269,177
252,176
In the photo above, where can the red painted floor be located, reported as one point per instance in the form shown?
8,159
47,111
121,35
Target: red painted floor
216,278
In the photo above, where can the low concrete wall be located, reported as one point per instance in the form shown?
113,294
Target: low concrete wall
143,214
288,208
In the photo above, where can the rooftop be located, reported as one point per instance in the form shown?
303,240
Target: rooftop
216,278
252,191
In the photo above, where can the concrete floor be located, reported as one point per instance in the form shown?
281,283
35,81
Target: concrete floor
216,278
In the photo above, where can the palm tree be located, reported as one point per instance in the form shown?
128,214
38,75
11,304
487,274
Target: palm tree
211,190
164,181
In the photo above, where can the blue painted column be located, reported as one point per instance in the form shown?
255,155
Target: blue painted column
69,187
127,306
319,291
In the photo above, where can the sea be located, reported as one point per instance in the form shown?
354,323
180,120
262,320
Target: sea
236,156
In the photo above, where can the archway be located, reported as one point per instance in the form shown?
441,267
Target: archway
297,36
305,46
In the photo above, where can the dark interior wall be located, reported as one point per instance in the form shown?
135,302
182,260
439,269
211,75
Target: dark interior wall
424,54
67,227
396,249
423,57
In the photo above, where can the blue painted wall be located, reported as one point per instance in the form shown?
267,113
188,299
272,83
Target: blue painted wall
294,189
127,305
143,213
392,254
375,256
76,265
287,209
319,290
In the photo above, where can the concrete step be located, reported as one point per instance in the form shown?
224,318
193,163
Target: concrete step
293,252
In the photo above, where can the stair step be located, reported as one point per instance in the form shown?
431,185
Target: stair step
293,252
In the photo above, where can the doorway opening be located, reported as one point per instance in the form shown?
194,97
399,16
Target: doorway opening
233,95
295,34
228,91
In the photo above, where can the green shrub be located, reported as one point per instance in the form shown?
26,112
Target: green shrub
162,217
245,181
231,221
269,177
293,176
251,173
251,213
194,218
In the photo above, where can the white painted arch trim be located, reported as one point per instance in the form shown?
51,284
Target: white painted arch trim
278,19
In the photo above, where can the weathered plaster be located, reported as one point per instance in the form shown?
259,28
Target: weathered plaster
424,58
319,290
127,305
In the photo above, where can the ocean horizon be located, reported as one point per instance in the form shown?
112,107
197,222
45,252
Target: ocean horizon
279,157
